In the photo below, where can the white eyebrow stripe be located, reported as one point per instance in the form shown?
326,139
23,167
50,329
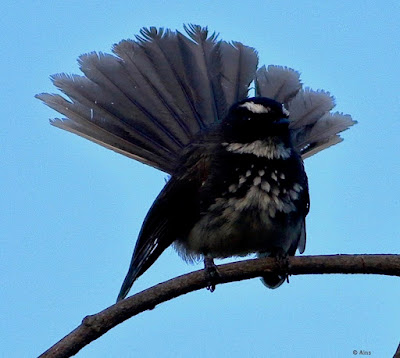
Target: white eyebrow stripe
285,111
255,107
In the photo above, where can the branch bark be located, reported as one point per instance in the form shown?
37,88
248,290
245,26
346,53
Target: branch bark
96,325
397,353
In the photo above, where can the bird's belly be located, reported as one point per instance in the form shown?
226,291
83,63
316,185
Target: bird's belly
232,227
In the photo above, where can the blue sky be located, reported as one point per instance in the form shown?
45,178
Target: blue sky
70,210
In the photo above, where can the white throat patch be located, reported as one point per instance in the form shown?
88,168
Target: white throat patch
260,148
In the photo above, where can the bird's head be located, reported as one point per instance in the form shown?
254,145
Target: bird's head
256,118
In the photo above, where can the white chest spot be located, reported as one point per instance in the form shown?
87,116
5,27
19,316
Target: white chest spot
297,187
257,181
232,188
265,186
242,180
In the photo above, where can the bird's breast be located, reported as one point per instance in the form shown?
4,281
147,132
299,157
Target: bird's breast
249,207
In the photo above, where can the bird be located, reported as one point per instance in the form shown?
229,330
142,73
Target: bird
232,136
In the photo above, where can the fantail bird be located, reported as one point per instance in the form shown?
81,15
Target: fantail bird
180,104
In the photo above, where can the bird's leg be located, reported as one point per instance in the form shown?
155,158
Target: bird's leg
282,260
211,272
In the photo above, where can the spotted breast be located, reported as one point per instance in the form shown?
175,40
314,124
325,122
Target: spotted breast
260,199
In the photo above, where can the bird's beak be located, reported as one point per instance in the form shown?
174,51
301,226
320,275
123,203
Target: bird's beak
283,121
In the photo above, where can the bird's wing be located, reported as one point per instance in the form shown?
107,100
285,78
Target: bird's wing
149,99
313,126
305,208
157,231
172,215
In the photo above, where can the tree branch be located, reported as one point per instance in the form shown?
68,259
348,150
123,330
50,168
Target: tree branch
96,325
397,353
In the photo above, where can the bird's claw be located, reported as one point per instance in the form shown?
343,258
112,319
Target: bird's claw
282,260
211,273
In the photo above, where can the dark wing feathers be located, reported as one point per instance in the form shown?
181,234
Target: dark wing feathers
154,237
173,213
147,250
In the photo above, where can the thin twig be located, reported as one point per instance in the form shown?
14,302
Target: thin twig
96,325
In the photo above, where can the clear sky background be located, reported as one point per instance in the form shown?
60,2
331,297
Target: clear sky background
70,210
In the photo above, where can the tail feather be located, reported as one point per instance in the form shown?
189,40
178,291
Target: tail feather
321,145
238,70
130,102
108,110
202,52
311,139
155,83
271,280
160,90
160,52
277,82
308,106
104,133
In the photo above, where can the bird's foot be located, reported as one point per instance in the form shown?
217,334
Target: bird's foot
282,260
211,273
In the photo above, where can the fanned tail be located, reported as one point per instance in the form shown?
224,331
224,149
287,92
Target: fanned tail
313,126
277,82
155,94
